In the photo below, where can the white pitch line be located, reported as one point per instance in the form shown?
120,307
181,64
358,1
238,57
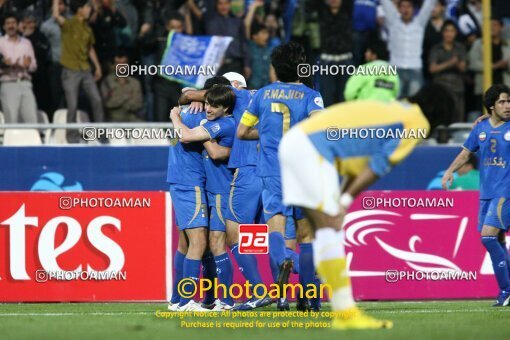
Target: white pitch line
427,311
418,311
77,314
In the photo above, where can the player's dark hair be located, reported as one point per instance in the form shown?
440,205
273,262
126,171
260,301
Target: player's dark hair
449,23
75,5
221,95
492,95
379,48
285,60
435,101
216,80
442,2
9,15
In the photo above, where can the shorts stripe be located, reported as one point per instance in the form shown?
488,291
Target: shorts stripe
218,208
500,211
198,203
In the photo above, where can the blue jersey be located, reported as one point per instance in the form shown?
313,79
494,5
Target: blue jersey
494,146
276,108
219,176
185,164
244,152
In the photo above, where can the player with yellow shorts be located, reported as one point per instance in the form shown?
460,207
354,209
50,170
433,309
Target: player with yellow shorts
360,141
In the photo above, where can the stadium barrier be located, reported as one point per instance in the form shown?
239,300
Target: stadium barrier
118,246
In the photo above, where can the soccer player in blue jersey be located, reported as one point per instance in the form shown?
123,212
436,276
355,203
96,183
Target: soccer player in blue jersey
311,161
276,108
245,199
186,175
217,132
491,138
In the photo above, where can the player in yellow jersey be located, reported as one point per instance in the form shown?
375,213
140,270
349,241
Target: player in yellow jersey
361,141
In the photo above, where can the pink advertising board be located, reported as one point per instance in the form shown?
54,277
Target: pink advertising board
404,245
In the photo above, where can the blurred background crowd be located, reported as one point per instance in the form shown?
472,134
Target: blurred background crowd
71,63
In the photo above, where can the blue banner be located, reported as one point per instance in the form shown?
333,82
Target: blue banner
191,59
116,168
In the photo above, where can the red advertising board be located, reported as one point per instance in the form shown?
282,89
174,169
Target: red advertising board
90,246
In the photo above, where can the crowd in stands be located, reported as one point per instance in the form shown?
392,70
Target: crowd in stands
62,53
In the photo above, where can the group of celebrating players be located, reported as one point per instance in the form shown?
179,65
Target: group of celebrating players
265,157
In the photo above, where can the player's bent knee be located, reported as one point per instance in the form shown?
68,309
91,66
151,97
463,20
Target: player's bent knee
490,231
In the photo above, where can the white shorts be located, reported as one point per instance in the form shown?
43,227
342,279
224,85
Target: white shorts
308,180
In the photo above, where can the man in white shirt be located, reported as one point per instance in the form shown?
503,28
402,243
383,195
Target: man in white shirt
405,41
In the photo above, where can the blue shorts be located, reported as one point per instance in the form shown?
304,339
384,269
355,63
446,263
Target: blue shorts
245,199
495,213
290,229
272,200
218,205
190,206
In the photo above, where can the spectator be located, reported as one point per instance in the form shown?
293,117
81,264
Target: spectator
364,20
468,176
260,54
222,22
153,29
500,60
270,22
16,95
335,47
166,92
122,95
382,87
447,66
470,21
433,34
41,48
104,21
51,29
77,48
405,38
126,37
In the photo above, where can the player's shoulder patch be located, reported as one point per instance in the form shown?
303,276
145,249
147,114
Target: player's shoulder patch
318,101
482,136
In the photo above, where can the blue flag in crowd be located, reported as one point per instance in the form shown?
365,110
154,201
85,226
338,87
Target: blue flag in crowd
192,59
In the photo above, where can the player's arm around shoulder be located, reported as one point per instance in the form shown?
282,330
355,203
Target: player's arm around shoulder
197,134
220,147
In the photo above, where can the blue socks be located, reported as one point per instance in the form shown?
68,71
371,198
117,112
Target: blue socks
277,248
499,261
209,272
289,253
225,276
248,267
503,245
191,269
178,268
307,272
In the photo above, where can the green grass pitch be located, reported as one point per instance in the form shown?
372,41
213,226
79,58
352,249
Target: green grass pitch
412,320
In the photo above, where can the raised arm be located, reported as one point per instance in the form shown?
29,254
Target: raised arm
60,19
425,12
390,11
